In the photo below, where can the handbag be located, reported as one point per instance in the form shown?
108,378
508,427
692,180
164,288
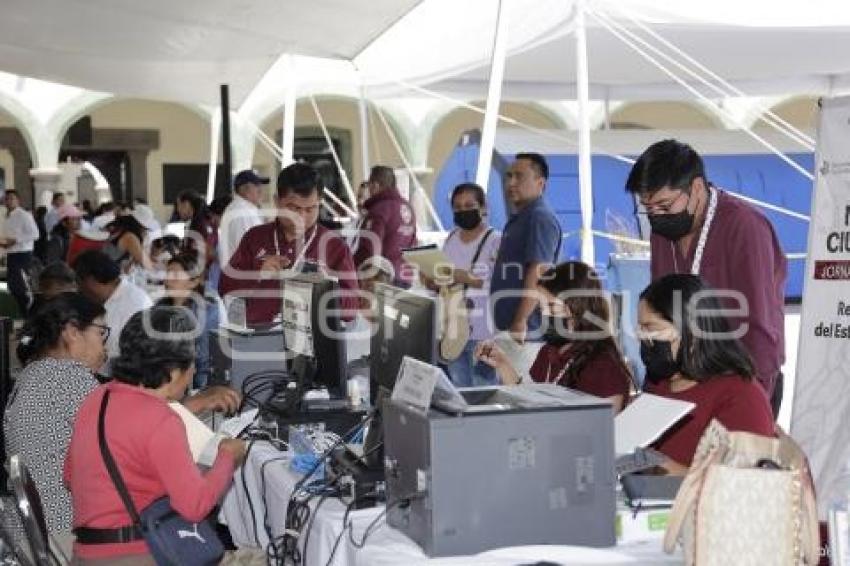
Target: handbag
746,500
172,540
455,308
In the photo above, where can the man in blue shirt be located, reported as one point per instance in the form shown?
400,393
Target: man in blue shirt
530,244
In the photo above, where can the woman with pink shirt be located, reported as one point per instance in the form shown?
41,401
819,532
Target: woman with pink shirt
147,439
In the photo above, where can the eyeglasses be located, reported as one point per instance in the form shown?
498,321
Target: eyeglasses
663,207
104,331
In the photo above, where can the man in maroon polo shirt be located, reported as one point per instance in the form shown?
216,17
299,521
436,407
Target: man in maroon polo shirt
699,229
266,252
389,225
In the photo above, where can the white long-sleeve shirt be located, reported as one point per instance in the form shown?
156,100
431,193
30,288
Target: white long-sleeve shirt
21,227
240,216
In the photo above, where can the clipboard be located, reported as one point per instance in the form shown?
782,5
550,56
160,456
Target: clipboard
430,261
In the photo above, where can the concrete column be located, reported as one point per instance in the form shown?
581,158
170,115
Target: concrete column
22,182
44,180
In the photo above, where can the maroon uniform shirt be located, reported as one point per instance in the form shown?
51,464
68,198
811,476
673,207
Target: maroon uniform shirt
737,404
390,220
242,273
742,253
601,375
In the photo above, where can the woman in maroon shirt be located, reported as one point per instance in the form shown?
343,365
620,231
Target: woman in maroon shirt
579,352
692,353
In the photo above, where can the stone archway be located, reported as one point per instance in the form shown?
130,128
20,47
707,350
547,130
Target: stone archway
137,143
12,140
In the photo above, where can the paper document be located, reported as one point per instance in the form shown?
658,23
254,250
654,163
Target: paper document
203,442
234,426
645,419
415,383
431,262
521,356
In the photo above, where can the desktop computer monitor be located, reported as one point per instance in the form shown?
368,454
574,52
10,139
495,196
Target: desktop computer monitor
406,326
313,334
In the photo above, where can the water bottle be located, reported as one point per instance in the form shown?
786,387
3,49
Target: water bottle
839,531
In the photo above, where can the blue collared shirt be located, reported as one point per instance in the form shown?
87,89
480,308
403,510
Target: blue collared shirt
532,235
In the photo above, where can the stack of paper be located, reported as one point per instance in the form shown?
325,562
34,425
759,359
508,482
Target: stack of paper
645,419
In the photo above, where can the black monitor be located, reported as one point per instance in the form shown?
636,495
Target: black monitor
406,326
313,334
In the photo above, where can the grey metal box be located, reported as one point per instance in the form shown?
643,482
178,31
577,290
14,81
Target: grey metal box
236,355
504,477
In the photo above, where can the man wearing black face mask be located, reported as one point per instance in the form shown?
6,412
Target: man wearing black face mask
472,247
702,230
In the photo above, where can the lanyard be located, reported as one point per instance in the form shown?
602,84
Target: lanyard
355,238
298,258
559,375
703,235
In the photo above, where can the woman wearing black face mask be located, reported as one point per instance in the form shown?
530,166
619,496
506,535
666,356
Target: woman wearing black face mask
579,351
697,359
472,247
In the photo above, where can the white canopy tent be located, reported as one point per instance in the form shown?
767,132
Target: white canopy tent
184,50
271,52
181,50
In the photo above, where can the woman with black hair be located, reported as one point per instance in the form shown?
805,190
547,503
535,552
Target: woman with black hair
146,438
579,351
184,287
192,208
692,353
216,214
126,244
61,346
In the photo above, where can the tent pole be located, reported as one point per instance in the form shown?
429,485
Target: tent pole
215,139
288,141
225,136
584,163
607,110
494,98
364,132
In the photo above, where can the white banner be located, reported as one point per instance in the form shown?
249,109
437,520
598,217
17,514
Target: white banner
821,416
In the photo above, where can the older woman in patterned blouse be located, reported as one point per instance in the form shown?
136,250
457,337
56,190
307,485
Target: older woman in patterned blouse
61,346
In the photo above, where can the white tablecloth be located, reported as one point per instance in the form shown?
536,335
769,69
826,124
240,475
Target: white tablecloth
385,546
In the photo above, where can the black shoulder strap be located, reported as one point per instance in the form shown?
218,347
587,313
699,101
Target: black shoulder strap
480,247
111,467
478,253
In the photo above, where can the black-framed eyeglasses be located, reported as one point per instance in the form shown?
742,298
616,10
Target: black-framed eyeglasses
661,208
104,331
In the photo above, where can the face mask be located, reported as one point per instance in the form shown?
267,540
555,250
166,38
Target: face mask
657,356
553,336
672,226
468,219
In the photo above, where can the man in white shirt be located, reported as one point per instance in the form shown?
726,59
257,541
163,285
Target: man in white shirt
242,214
51,219
19,235
100,279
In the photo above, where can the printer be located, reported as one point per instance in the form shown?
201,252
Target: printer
508,466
